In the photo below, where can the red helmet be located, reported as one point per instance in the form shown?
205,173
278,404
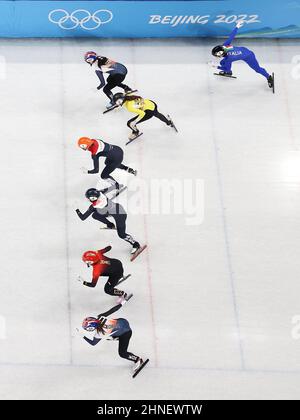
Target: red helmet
91,257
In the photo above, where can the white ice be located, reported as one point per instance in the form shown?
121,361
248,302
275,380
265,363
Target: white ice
215,305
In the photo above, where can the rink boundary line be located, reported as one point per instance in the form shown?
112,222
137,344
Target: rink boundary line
108,367
224,221
140,154
66,218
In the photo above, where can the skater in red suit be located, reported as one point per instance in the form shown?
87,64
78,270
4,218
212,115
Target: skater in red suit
104,266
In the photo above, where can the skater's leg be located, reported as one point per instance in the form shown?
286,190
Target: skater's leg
106,173
128,169
123,346
118,159
115,80
118,79
116,272
148,114
225,66
131,123
122,85
109,287
103,219
111,163
253,63
123,167
120,219
155,113
111,82
125,87
160,116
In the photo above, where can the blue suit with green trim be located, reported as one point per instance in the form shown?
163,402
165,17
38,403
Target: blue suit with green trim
239,53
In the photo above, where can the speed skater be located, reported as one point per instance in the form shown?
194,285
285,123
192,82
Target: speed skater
104,266
103,207
116,73
229,54
113,158
144,108
113,329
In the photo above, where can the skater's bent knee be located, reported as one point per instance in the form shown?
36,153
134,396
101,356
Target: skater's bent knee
96,216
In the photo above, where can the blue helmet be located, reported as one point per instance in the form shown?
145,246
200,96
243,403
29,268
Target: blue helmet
90,323
90,57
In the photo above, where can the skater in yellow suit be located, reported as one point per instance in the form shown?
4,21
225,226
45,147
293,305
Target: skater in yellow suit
144,108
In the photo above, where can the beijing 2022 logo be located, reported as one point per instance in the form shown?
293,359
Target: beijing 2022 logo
80,18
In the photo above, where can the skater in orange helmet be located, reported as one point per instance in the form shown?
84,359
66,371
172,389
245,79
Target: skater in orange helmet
113,158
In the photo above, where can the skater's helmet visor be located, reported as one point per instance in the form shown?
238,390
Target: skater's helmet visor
90,323
84,143
218,51
90,57
118,99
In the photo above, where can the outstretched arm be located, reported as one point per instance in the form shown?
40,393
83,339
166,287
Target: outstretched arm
231,37
105,250
239,24
93,283
92,342
101,78
83,216
95,170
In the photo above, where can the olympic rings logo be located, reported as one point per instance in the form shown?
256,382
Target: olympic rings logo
80,18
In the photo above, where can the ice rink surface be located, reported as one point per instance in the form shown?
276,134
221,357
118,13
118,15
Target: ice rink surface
215,304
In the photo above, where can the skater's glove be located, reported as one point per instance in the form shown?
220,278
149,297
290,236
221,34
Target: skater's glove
213,64
239,24
77,333
80,279
100,87
84,170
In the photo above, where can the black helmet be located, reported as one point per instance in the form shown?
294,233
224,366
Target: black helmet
219,51
118,96
92,193
101,60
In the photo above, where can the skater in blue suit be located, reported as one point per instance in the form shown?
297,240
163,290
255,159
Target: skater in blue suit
229,54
